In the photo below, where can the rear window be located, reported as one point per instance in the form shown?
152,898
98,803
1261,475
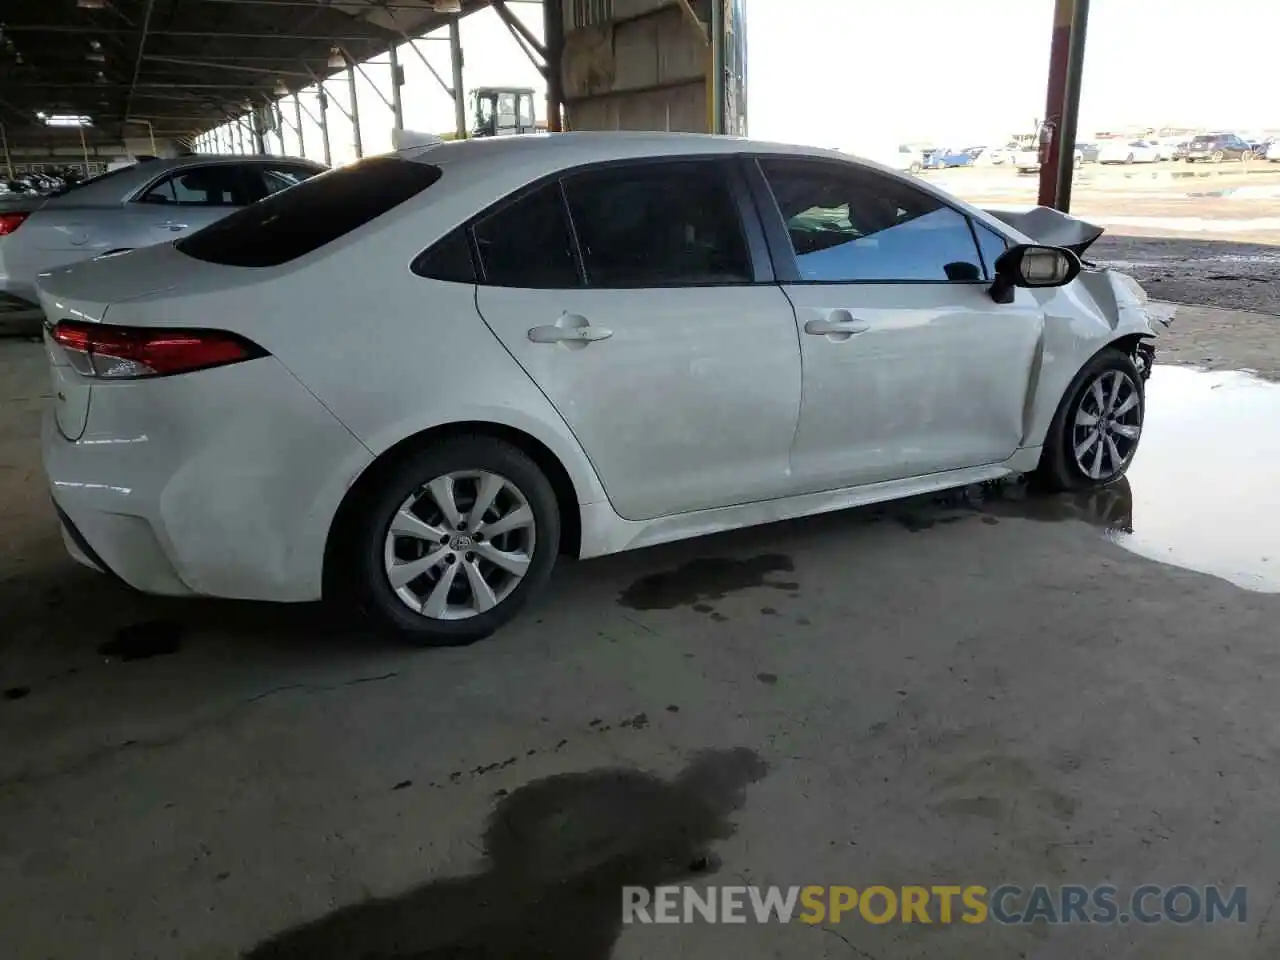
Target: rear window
303,218
1203,139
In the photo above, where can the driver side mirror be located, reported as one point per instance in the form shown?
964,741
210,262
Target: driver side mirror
1033,266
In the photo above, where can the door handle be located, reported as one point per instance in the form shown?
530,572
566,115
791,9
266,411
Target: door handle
551,333
836,324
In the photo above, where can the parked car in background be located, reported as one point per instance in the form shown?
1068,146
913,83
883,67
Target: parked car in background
1180,150
1088,152
1273,151
948,157
907,159
991,156
1028,160
1216,147
438,494
1128,151
1166,147
133,206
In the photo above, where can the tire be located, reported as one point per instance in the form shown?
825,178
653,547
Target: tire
469,466
1129,158
1217,156
1060,468
915,168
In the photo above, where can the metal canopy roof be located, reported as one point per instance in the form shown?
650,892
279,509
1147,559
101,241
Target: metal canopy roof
185,66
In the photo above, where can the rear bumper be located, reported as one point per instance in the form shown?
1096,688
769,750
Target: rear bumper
221,483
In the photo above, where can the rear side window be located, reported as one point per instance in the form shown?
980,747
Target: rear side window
658,224
306,217
528,243
220,185
447,259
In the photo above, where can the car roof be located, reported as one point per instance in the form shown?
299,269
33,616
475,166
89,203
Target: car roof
577,148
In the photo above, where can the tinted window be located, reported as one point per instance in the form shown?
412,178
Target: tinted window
295,222
991,245
448,259
528,243
658,224
848,225
222,185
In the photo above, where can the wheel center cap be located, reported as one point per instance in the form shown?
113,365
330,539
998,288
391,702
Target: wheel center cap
462,541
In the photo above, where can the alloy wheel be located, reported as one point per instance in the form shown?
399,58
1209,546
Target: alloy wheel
460,545
1107,425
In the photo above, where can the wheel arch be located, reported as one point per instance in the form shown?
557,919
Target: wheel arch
357,494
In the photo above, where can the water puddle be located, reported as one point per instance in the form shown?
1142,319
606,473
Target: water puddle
1203,493
1206,480
702,580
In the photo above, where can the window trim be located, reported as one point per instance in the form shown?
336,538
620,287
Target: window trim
759,253
775,225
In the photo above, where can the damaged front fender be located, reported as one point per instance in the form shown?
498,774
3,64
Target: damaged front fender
1125,307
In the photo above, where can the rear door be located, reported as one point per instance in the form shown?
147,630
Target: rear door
637,297
910,368
192,197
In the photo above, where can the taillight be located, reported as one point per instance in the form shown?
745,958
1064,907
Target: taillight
10,222
130,353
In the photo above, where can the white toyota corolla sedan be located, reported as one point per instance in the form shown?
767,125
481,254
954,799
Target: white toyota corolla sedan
418,380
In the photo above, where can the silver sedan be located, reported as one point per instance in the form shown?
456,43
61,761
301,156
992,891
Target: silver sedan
149,202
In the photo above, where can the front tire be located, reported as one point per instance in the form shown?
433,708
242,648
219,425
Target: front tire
454,540
1096,430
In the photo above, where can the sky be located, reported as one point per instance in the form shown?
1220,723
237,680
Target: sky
862,74
831,72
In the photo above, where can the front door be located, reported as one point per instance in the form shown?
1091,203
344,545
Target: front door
194,197
910,368
640,320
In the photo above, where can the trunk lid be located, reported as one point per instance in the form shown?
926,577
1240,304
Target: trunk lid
86,291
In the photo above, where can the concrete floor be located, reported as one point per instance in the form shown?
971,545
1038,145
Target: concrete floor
985,689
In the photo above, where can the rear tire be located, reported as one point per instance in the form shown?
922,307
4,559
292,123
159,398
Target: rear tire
398,572
1095,431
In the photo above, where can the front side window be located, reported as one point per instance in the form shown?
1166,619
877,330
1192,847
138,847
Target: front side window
851,225
528,243
220,185
658,224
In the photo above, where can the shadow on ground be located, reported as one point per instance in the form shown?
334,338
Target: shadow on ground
558,852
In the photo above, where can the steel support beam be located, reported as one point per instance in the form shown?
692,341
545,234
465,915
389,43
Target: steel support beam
255,127
386,101
297,125
459,91
324,126
1062,102
553,30
397,79
355,110
137,61
4,144
215,65
121,31
413,45
717,66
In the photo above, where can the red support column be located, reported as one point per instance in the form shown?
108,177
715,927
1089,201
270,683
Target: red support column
1066,68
